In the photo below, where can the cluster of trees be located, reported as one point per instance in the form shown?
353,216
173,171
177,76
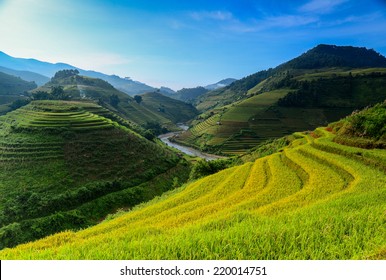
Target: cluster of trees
338,91
243,85
29,230
138,99
62,74
152,129
19,103
57,93
190,94
28,204
204,168
323,56
114,100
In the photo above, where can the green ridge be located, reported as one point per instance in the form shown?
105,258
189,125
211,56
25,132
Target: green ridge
315,199
66,165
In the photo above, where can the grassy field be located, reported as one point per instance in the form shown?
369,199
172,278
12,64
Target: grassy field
315,199
67,164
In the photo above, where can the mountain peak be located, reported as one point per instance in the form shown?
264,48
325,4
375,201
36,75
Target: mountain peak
220,84
324,56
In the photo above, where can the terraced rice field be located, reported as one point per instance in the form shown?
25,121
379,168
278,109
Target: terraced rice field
76,116
260,115
253,114
314,200
63,165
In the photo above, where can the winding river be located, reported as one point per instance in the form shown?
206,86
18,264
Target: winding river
187,150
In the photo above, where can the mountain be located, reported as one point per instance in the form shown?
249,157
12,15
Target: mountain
220,84
11,85
328,56
26,75
319,58
125,85
191,94
67,164
13,90
275,102
49,69
167,91
76,86
173,109
44,68
314,199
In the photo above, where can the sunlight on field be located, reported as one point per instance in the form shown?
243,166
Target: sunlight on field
314,200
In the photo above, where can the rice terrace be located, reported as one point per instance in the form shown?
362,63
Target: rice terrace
251,135
314,199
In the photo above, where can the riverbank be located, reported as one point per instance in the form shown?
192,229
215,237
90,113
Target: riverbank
185,149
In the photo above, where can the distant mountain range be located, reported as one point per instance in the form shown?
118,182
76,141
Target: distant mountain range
191,94
26,75
220,84
40,72
11,85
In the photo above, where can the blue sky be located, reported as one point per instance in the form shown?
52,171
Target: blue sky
184,43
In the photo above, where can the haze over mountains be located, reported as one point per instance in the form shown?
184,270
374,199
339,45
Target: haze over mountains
49,69
40,72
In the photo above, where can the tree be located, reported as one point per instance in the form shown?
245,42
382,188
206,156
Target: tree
57,92
114,100
41,95
19,103
138,99
62,74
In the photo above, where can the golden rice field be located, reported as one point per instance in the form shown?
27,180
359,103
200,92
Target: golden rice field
315,199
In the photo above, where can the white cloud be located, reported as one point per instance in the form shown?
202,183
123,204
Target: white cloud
321,6
211,15
372,18
267,23
287,21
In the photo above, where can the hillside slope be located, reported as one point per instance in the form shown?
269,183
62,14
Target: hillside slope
320,57
67,164
11,85
77,87
26,75
316,199
291,97
172,109
12,89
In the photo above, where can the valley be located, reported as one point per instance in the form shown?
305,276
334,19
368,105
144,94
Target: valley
286,163
185,149
316,199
